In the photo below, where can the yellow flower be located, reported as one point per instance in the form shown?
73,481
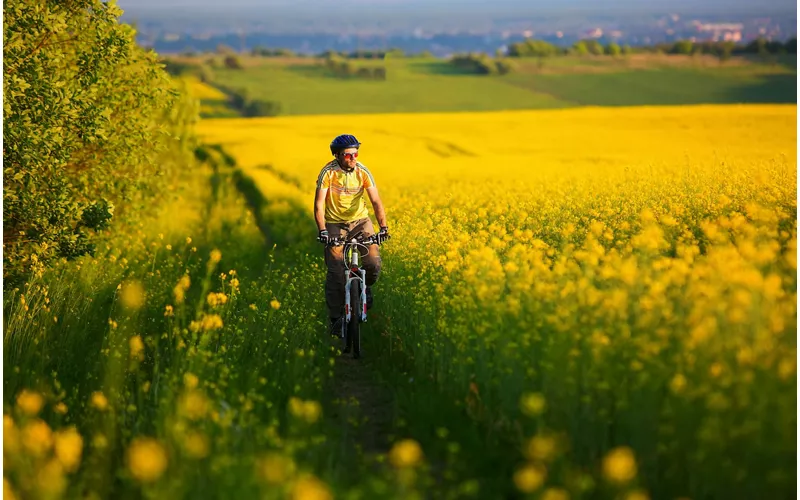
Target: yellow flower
619,465
168,311
678,383
216,256
61,408
215,299
637,495
180,289
405,453
99,400
147,459
190,380
10,436
310,488
69,447
530,477
533,404
137,347
30,402
132,296
8,491
307,410
541,448
196,445
555,494
211,322
193,405
311,411
276,468
37,437
275,304
50,479
188,240
235,283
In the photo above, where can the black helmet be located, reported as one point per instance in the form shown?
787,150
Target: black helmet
344,141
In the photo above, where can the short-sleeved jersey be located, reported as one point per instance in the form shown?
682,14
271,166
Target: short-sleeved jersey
345,199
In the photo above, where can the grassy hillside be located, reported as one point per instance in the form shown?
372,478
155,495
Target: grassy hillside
304,86
664,86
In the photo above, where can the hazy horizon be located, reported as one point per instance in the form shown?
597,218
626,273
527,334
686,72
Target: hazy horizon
565,6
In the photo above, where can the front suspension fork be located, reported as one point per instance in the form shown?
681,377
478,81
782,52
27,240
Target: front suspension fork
348,309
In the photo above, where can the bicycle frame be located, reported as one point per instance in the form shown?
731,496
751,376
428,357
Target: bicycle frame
354,273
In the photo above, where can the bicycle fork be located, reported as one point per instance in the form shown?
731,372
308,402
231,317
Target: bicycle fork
348,309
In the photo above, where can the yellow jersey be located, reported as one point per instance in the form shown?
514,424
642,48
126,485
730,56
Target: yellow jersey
345,199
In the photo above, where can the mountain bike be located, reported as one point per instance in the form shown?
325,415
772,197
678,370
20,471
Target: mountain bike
355,291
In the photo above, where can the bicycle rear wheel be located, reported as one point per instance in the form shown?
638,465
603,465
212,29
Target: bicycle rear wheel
354,326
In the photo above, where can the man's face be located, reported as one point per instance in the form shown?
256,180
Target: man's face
347,158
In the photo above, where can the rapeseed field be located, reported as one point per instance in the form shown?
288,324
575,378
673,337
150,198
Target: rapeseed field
608,295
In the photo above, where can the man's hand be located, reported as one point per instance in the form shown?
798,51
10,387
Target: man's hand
383,235
323,237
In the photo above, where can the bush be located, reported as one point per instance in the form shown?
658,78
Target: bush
345,69
482,64
613,49
232,62
532,48
92,122
262,108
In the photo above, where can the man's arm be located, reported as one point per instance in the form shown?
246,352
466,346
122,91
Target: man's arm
377,205
319,207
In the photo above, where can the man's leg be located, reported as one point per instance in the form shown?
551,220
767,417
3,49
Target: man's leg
335,280
371,261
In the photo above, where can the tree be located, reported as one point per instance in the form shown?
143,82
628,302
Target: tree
613,49
93,126
262,108
580,48
594,47
232,62
532,48
684,47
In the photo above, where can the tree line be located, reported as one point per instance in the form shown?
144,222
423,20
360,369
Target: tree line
344,68
723,49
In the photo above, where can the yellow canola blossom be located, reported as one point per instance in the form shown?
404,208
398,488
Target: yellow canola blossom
30,402
601,256
147,459
405,453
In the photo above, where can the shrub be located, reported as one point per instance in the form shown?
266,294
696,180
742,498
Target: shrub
92,122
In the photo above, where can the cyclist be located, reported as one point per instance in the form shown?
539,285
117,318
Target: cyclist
341,212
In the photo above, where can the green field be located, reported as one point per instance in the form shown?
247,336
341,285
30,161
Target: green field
304,86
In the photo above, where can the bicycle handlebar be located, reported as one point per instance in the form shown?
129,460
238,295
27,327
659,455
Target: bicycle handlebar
372,240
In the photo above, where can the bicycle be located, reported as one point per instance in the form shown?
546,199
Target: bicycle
355,292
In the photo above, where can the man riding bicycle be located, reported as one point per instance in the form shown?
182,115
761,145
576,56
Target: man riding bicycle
341,212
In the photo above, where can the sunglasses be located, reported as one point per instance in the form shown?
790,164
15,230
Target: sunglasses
350,155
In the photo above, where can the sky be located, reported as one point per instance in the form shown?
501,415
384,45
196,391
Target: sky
549,5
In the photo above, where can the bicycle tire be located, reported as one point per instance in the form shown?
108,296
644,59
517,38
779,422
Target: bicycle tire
354,326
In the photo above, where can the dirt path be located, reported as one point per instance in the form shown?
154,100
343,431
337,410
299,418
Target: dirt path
357,400
362,403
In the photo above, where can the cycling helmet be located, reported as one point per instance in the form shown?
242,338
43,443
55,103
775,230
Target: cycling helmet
344,141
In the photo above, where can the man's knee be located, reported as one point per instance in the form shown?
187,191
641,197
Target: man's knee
372,268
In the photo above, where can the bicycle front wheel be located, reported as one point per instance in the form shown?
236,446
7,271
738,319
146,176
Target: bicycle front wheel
354,326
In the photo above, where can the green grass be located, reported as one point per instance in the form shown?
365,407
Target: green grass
667,86
410,86
432,85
